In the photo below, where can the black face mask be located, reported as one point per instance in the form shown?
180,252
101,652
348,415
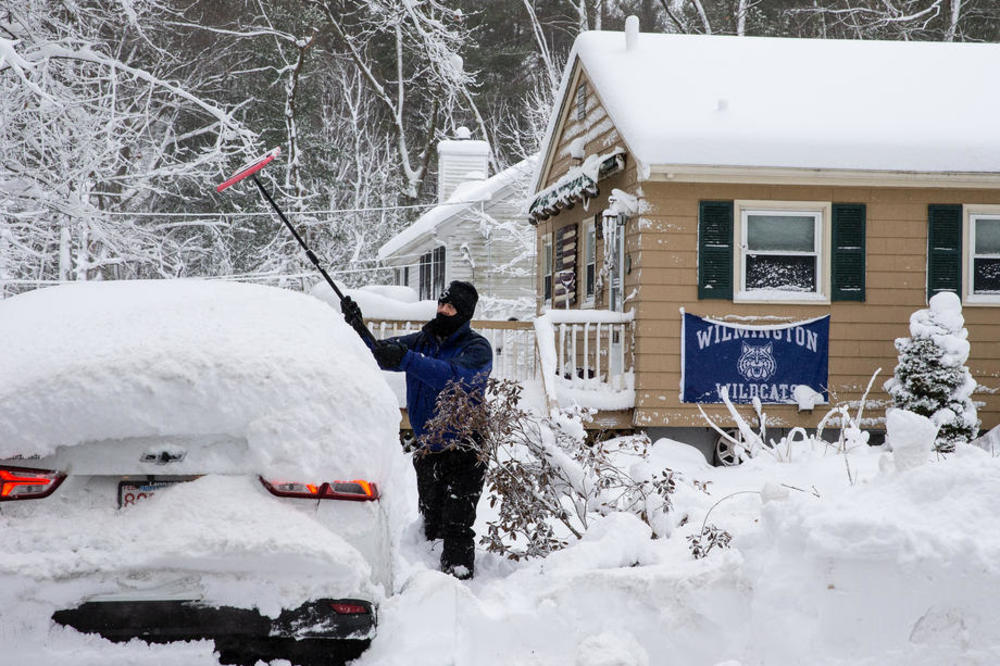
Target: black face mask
443,325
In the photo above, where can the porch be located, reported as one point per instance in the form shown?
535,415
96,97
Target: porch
564,357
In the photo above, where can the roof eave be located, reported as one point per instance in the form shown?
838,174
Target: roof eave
743,174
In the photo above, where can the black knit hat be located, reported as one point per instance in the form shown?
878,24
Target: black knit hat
463,296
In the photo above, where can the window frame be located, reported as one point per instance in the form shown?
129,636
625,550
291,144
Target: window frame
547,268
426,278
589,263
439,271
971,213
821,211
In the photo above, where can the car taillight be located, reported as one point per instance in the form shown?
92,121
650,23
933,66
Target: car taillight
22,483
357,490
348,609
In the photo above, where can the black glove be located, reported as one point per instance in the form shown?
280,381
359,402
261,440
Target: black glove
352,315
389,354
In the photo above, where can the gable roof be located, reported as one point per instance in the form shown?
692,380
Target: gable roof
466,195
796,103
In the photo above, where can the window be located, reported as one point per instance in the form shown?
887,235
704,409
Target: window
438,283
590,259
432,274
547,267
983,263
781,251
425,277
565,262
581,101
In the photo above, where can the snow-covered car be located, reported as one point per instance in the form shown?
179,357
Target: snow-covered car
186,459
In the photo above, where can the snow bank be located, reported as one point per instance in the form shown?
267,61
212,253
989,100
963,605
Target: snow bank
869,568
112,360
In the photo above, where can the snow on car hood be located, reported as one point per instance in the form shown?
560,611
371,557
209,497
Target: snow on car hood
111,360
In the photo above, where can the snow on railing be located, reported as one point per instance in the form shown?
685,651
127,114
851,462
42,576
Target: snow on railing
584,358
513,343
580,356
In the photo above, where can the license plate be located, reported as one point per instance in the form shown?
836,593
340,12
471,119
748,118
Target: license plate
131,493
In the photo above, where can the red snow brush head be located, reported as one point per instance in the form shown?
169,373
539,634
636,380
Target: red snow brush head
250,168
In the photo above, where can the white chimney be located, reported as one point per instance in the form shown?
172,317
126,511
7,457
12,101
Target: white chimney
631,32
459,160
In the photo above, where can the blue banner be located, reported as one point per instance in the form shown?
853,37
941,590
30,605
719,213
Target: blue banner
765,362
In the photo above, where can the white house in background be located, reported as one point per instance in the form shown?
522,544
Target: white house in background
475,233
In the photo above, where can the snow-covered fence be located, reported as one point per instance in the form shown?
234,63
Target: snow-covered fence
513,343
585,356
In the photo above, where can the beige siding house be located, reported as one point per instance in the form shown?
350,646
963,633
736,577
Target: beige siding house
476,233
768,182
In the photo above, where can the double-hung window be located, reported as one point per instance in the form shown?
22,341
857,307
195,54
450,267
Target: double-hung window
432,273
439,272
781,252
547,267
590,259
983,262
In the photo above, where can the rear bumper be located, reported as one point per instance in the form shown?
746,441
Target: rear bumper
168,621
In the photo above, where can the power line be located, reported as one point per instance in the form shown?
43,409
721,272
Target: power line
296,212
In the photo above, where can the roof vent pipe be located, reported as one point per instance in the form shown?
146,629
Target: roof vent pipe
631,32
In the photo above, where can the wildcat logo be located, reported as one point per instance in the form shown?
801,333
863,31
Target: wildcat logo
756,363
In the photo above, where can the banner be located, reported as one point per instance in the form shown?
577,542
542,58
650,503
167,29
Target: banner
765,362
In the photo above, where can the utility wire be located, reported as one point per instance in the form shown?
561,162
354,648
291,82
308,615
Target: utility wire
294,212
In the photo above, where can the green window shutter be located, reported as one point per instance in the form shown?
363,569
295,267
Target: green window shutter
715,249
847,267
944,248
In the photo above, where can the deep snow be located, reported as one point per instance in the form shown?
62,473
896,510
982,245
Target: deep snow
865,557
898,567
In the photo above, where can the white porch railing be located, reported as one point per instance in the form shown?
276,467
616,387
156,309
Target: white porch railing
513,344
581,356
585,358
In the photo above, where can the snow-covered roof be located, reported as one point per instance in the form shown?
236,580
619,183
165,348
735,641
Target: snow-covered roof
467,194
797,103
114,360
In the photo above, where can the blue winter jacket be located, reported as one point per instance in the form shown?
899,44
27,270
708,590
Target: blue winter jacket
430,365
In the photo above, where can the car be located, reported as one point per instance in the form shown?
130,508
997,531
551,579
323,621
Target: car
194,459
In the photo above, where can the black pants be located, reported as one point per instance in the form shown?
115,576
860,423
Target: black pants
449,484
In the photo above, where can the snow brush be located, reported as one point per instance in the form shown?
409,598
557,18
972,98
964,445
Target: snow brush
250,169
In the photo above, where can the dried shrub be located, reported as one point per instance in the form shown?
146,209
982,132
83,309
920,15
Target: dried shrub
709,538
544,478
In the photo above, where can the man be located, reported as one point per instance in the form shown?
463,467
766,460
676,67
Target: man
449,474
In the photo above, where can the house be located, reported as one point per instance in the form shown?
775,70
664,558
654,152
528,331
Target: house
795,199
475,233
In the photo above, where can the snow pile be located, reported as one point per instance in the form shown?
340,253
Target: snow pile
833,562
826,568
112,360
910,436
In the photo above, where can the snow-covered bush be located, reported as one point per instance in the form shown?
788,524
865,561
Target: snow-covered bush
931,378
548,481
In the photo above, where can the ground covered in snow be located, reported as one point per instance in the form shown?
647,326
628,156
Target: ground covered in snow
835,559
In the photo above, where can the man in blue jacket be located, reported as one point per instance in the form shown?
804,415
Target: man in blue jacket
449,474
